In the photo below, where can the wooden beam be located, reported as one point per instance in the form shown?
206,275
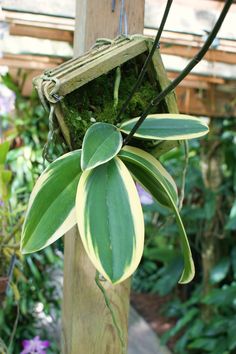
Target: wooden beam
29,62
213,55
190,39
86,322
45,32
211,102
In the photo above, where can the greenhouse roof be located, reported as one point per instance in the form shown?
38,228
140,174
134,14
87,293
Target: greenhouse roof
41,37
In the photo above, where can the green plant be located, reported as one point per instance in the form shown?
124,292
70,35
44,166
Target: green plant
31,303
205,311
96,176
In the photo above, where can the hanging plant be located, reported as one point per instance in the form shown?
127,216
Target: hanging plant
94,188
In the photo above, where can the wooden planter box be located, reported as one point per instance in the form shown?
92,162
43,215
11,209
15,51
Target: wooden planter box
90,80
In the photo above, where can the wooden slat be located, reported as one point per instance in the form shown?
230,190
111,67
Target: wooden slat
29,62
190,39
212,55
41,19
210,103
45,32
107,62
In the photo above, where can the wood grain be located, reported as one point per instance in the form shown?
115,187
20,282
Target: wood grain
97,20
87,324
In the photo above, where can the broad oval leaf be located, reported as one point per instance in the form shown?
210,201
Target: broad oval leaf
146,171
167,127
110,220
101,143
51,209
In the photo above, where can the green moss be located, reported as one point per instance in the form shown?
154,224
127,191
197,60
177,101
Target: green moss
94,101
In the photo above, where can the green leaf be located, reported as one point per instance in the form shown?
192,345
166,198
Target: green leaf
222,297
233,260
5,178
206,344
146,170
167,127
134,158
4,148
231,335
182,322
101,143
110,220
231,224
51,210
219,272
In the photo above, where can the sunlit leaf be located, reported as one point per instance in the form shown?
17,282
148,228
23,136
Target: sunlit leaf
231,224
101,143
110,220
146,171
219,272
4,148
167,127
51,210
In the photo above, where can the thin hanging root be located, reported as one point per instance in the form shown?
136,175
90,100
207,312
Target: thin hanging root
186,160
108,304
117,86
50,135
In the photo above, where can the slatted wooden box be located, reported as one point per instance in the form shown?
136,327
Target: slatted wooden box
94,86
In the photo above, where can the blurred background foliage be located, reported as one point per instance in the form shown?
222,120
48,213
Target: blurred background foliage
30,306
204,310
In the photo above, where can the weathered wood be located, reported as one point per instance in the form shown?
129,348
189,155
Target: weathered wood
75,78
97,20
86,324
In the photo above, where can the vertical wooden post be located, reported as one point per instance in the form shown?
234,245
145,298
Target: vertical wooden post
95,19
87,326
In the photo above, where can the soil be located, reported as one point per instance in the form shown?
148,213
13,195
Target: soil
150,306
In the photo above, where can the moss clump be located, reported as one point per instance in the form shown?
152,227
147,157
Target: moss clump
94,102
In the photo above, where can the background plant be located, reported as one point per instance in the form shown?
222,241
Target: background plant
207,319
32,302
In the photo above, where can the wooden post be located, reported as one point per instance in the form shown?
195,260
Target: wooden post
95,19
87,326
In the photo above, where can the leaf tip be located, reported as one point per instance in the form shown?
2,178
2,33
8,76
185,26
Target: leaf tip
187,277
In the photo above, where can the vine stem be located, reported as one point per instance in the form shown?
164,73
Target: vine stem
186,161
108,304
147,61
184,73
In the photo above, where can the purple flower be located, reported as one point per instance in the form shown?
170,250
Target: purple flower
34,345
7,100
145,197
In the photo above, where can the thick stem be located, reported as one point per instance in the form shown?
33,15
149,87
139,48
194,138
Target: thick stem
185,72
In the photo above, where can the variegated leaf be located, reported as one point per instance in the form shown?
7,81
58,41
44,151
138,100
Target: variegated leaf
110,220
167,127
146,170
101,143
51,209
